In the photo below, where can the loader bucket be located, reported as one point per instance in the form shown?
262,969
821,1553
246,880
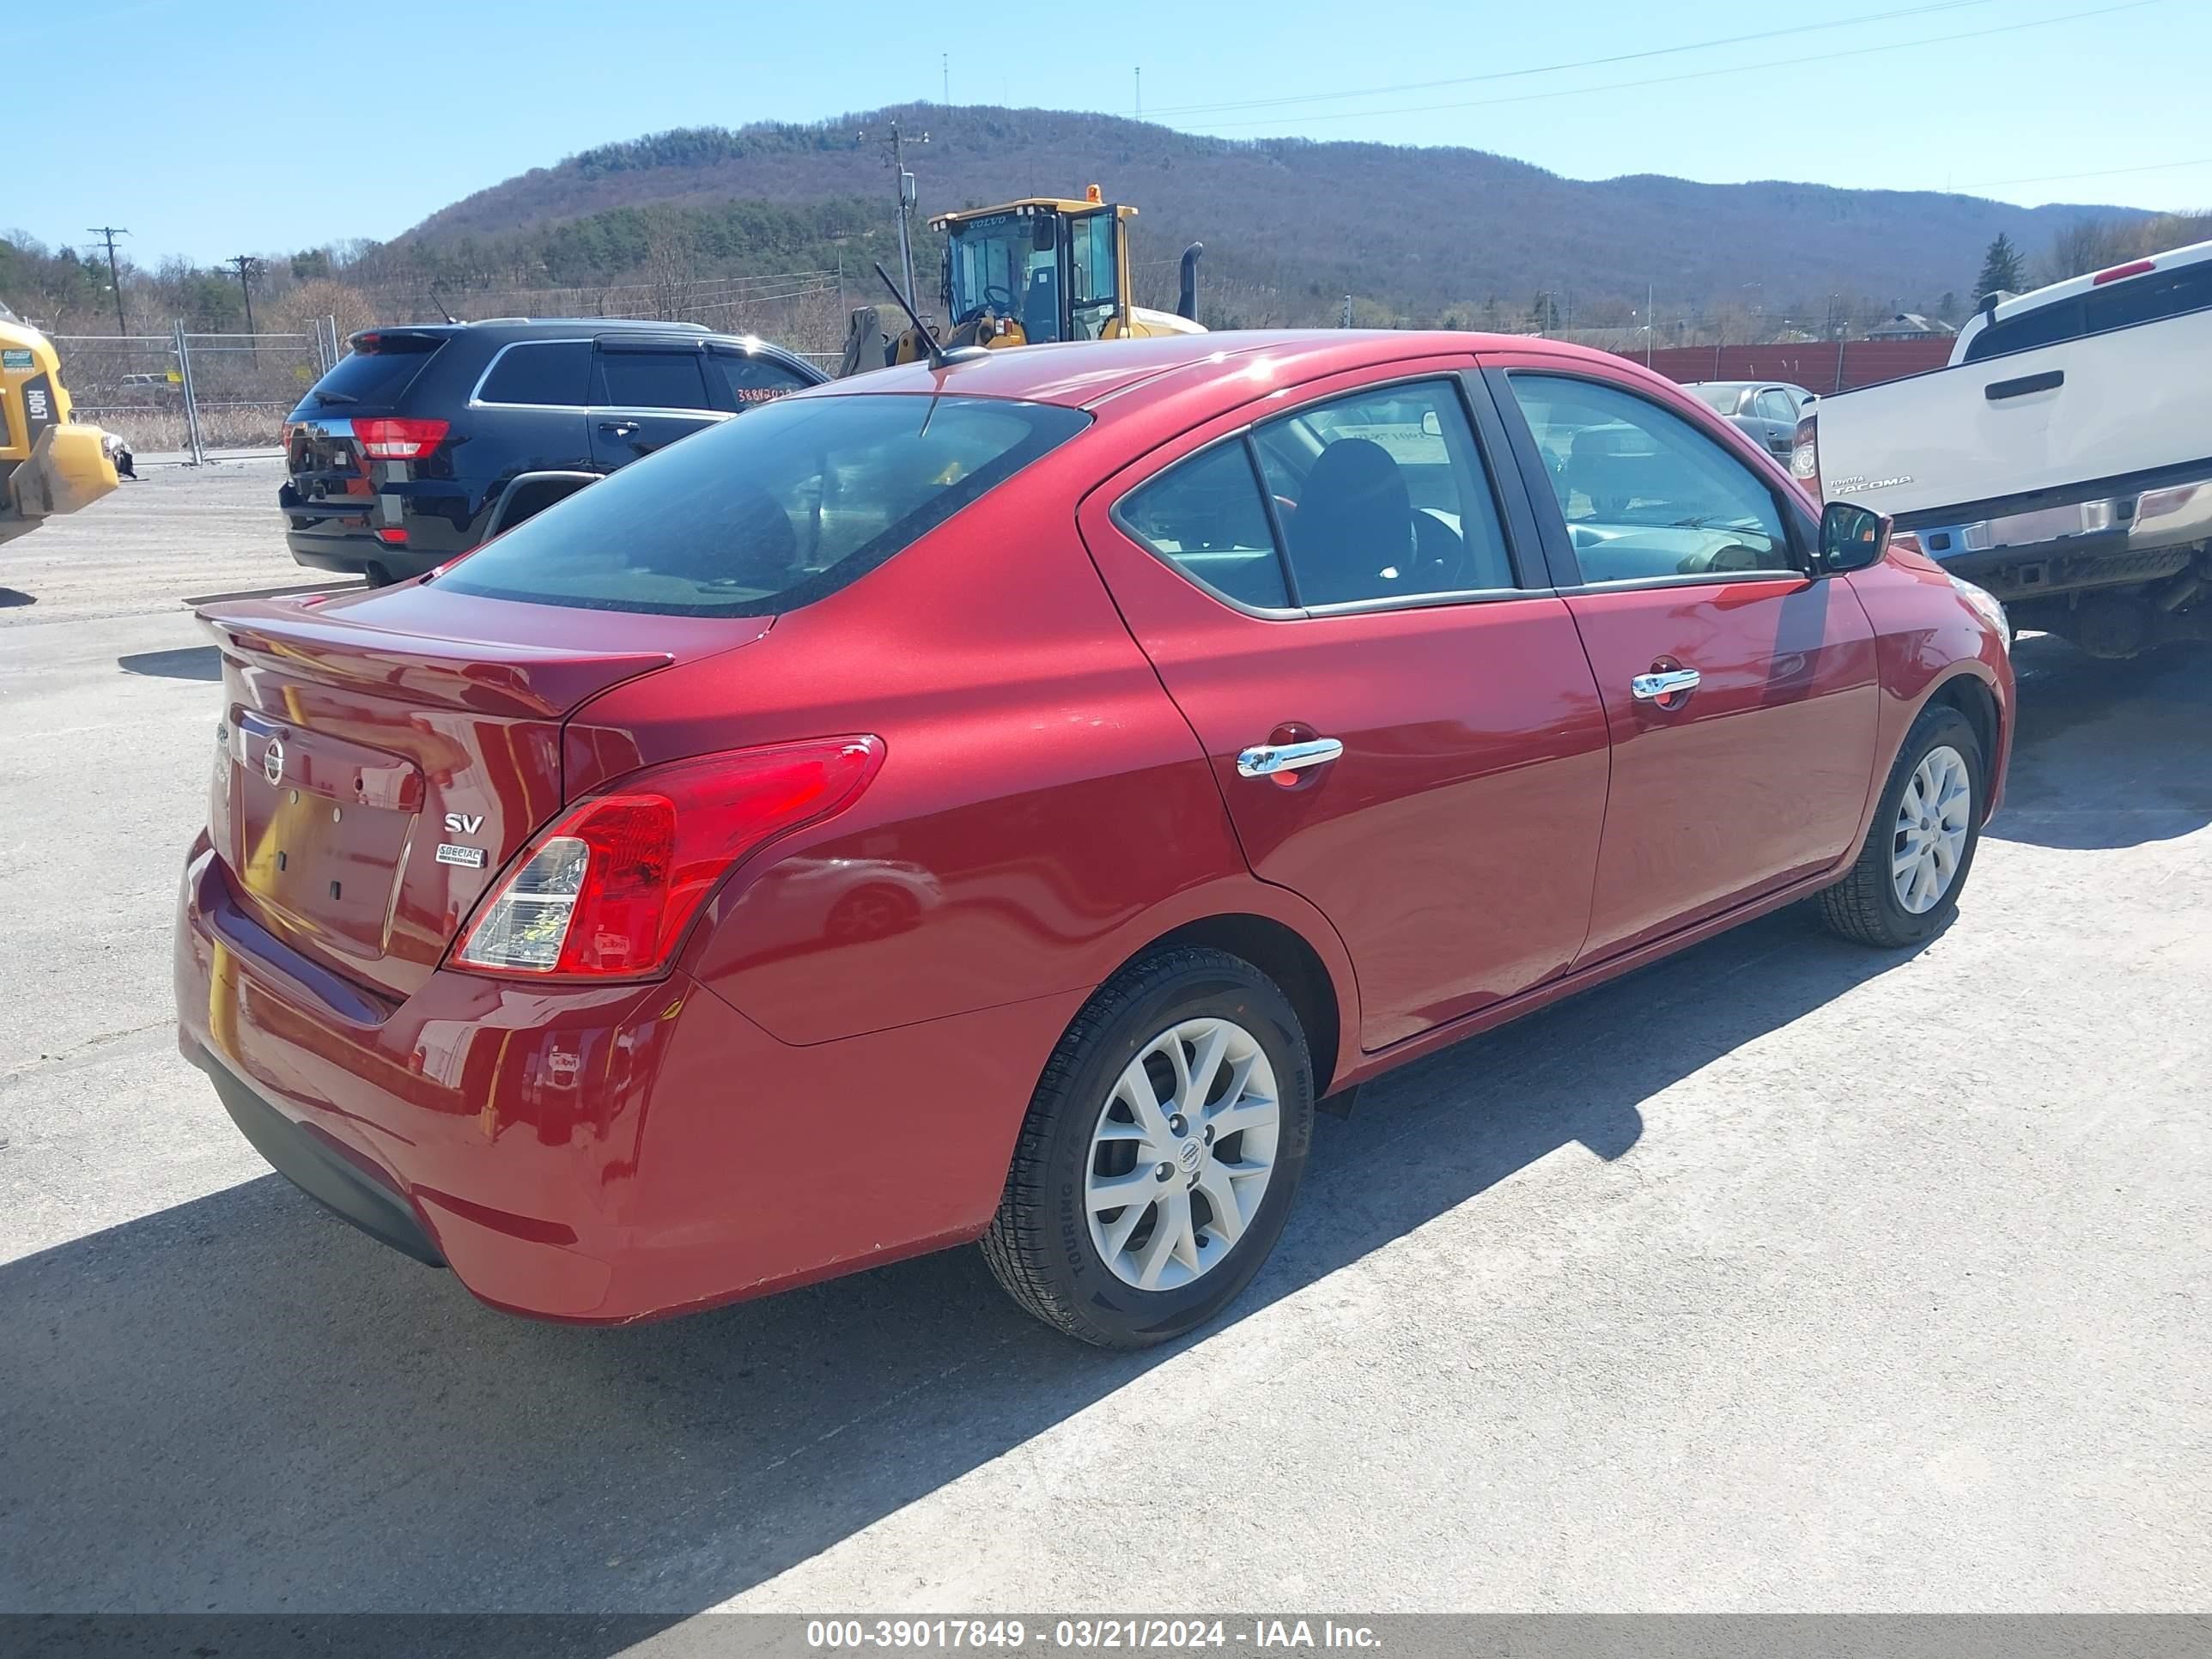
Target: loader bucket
68,469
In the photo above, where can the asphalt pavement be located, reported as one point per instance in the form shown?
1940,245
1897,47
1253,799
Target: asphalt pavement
1785,1276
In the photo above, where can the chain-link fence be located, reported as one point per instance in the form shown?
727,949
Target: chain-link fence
188,394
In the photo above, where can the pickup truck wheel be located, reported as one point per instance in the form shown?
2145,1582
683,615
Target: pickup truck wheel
1160,1155
1904,887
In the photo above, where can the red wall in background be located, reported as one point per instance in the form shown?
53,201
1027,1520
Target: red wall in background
1818,366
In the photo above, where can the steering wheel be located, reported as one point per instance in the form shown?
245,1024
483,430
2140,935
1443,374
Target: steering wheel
1000,300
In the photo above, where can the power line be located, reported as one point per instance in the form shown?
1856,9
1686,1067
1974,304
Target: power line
2101,172
1699,75
1574,63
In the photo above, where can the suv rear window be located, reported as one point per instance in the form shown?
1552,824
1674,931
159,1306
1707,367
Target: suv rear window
759,516
380,371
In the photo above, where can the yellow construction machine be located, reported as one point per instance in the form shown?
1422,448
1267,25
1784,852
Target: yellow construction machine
1026,272
48,464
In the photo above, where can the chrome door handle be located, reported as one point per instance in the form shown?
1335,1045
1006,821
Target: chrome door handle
1265,760
619,429
1649,688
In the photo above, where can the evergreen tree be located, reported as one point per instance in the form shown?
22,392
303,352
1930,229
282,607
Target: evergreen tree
2000,269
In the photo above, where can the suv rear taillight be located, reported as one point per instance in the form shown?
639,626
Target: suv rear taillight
1805,454
398,438
607,889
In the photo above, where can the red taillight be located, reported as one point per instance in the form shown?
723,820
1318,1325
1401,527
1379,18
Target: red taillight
1805,454
607,890
2118,272
398,438
394,533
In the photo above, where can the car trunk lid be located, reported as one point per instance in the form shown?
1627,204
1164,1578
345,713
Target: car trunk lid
373,776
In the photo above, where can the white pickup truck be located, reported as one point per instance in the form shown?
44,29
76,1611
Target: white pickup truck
2063,459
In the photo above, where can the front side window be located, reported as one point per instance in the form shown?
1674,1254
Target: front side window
1644,494
548,372
1381,494
758,516
652,379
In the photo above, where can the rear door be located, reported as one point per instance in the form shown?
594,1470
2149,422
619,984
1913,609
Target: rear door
1741,694
534,392
648,390
1777,420
1351,613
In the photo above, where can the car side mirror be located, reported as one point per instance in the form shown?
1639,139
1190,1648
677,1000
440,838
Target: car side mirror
1851,539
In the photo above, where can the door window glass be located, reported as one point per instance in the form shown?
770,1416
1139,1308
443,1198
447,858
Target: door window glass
1091,298
756,380
1206,517
1381,494
654,380
555,372
1774,406
1645,495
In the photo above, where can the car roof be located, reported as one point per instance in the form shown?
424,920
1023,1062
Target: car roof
1222,368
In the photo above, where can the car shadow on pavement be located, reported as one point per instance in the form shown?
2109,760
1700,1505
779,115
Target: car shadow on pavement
240,1404
2106,753
190,662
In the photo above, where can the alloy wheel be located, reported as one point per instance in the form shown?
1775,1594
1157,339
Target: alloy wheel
1181,1154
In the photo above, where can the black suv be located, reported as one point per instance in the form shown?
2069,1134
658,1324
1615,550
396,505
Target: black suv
427,437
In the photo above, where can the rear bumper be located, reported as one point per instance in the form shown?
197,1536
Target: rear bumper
601,1154
2128,536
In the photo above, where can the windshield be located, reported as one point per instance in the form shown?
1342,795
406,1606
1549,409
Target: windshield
755,517
996,267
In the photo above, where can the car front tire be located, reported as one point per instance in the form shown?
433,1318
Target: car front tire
1904,888
1161,1152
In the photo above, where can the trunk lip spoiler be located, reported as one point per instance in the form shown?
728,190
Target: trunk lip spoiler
479,675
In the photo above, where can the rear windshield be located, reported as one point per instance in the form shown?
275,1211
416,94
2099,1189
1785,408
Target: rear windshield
1723,399
375,374
753,517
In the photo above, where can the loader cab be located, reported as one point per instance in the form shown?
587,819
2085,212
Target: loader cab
1038,270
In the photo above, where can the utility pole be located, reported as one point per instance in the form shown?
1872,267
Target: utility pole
248,267
114,276
906,202
944,67
1140,92
1650,321
1346,319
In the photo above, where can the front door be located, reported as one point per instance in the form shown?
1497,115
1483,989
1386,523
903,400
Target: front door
646,392
1405,733
1741,694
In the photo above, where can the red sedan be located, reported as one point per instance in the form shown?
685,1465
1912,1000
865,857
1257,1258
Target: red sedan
1000,801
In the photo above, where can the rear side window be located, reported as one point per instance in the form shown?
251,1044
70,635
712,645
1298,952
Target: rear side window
759,516
2045,325
549,372
1205,516
652,379
379,370
2149,298
755,379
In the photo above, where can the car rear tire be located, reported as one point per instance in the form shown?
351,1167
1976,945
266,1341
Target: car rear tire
1186,1083
1904,889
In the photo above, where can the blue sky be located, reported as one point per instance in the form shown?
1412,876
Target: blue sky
215,129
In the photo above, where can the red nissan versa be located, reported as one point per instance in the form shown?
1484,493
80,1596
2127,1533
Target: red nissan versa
998,800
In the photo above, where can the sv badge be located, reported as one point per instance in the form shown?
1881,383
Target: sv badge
464,823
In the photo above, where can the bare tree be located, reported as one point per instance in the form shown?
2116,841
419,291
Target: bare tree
671,262
2087,245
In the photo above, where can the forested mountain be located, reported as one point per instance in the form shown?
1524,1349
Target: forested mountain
1290,226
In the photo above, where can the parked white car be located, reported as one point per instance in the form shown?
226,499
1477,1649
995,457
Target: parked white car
2063,459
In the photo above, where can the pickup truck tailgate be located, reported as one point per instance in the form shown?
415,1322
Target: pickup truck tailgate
2036,423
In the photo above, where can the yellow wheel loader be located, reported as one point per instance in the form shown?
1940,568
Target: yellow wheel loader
49,465
1026,272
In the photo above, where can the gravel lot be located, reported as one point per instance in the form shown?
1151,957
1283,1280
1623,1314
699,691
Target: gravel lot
1785,1277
